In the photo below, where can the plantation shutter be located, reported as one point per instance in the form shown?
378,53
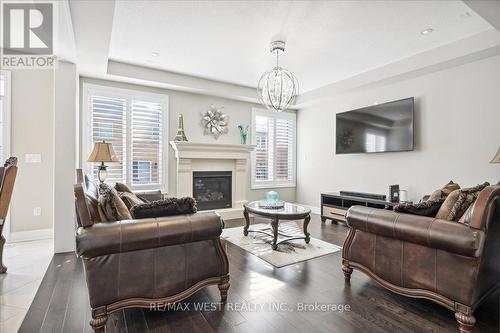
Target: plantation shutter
274,155
109,124
146,142
264,136
284,154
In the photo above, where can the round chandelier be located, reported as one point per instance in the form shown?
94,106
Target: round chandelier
278,87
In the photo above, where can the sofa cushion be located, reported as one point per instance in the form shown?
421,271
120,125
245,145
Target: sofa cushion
120,187
424,208
111,208
444,191
447,205
130,199
466,198
167,207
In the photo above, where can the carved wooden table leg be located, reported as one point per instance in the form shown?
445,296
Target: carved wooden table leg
275,224
3,269
306,223
98,324
465,322
247,222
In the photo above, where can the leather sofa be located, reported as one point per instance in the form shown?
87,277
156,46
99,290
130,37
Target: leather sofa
145,263
453,264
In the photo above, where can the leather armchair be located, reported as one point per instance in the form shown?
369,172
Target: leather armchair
7,179
141,263
453,264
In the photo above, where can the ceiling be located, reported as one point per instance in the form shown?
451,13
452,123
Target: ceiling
327,41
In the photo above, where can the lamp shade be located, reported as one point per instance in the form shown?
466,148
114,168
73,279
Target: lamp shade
103,152
496,159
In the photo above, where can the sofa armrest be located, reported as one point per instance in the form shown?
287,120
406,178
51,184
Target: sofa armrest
132,235
439,234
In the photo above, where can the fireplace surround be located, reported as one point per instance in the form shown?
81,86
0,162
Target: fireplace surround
192,157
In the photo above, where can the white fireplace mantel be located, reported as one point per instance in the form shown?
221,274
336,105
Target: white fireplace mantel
193,156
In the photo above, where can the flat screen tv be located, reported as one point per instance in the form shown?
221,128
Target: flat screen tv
379,128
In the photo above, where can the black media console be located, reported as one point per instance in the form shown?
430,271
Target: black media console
334,205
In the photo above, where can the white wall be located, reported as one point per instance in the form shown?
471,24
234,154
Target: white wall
65,155
457,132
32,132
192,106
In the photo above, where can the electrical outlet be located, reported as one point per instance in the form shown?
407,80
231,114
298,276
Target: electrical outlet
37,211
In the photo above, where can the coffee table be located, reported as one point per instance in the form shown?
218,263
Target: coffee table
288,212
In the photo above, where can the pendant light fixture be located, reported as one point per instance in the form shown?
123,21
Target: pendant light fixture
277,87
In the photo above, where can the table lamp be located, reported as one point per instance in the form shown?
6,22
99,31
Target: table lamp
102,152
496,159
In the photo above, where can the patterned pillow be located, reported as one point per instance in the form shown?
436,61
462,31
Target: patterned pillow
167,207
445,191
111,208
424,208
130,199
466,198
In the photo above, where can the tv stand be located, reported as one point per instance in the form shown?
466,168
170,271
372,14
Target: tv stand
334,205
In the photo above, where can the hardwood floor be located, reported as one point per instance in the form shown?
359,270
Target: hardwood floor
61,303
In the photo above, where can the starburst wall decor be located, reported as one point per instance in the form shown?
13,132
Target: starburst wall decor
215,121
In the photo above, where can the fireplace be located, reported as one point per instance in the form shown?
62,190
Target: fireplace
212,189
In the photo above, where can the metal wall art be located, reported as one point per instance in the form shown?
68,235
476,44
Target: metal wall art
215,121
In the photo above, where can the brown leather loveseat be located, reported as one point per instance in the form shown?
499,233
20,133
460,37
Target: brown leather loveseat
453,264
140,263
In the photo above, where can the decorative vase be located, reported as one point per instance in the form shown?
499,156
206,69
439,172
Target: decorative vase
272,197
243,134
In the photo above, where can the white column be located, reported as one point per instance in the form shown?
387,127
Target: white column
184,178
240,178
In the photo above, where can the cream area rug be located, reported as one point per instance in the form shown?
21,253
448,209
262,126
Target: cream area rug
288,253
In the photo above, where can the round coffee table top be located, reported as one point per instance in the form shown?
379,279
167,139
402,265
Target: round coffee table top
290,211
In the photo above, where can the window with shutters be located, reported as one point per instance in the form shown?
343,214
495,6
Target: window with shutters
135,123
273,160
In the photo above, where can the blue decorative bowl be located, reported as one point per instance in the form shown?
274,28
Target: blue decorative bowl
272,197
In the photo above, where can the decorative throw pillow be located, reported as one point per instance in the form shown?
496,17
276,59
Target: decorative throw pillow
424,208
111,208
466,198
445,191
167,207
130,199
120,187
447,205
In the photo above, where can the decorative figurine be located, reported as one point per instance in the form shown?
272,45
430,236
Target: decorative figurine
181,136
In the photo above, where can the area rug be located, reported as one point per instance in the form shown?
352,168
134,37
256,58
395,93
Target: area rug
288,253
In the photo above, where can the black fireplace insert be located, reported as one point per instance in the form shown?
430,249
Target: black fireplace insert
212,189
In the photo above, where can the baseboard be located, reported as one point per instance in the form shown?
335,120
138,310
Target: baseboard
31,235
314,209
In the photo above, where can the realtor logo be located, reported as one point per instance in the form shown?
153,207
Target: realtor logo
27,34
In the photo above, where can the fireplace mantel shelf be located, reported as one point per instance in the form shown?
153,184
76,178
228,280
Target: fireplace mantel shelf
216,151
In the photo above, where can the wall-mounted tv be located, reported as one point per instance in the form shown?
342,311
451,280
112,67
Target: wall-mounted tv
379,128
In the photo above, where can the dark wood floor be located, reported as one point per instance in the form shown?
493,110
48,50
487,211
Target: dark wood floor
61,304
